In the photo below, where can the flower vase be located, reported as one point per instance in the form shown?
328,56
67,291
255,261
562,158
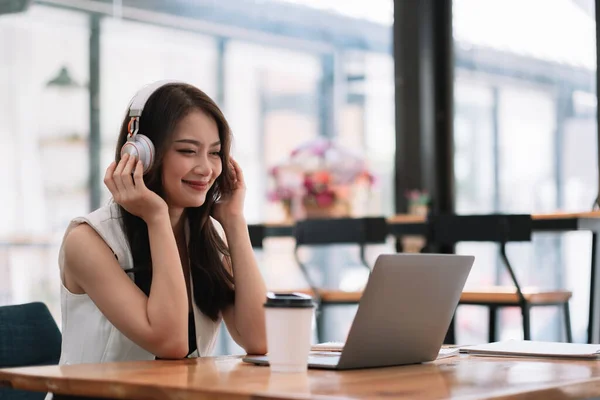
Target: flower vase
339,209
418,209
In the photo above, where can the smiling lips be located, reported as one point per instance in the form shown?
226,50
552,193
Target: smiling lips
196,185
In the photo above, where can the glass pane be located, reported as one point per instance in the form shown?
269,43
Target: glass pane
44,126
366,124
271,101
525,137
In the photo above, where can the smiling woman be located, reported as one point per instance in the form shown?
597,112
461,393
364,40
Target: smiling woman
196,138
148,275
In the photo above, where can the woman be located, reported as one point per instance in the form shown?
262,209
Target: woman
148,276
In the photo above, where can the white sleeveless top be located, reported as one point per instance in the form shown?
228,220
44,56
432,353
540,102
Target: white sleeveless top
87,335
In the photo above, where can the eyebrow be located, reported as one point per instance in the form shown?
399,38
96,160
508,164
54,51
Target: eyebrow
197,143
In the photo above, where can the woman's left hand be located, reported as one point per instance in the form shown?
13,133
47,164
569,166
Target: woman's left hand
231,206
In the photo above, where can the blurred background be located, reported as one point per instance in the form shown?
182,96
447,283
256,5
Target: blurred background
288,71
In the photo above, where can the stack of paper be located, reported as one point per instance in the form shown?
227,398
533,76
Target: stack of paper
527,348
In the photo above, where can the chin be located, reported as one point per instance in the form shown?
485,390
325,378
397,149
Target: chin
193,204
198,202
188,202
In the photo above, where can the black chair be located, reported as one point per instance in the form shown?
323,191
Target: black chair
29,336
257,234
448,230
320,232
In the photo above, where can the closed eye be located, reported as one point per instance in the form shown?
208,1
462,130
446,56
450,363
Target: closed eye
216,153
186,151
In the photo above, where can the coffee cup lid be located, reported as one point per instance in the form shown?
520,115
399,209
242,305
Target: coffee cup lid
289,300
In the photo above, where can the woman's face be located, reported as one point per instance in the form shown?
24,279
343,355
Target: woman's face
192,161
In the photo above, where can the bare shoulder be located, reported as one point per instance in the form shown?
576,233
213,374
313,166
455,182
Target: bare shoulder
84,241
84,250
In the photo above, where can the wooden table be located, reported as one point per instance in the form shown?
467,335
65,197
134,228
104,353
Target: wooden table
230,378
558,222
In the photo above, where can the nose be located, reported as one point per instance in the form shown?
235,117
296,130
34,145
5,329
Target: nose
202,166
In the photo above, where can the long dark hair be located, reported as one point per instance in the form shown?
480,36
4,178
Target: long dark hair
213,284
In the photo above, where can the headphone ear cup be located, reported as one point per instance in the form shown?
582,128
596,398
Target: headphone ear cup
140,146
147,153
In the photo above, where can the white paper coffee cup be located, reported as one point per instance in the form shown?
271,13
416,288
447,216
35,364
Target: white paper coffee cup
289,320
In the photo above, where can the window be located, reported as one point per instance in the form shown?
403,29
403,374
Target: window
44,122
525,140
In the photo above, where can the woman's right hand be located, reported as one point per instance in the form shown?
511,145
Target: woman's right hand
130,192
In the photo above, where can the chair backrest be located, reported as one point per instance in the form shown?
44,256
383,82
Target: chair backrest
449,229
257,234
28,336
361,231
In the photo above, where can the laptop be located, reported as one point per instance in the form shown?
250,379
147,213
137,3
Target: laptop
403,315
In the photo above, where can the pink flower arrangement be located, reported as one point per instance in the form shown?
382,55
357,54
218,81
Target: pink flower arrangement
418,201
318,173
415,196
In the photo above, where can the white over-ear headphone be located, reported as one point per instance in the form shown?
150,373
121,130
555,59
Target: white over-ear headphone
139,145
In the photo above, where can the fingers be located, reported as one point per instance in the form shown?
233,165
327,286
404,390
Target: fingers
122,175
117,175
128,170
108,178
238,175
138,175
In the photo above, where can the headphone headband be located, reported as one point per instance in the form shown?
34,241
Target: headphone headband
141,97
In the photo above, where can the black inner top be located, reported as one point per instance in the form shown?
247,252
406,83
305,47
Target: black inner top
191,333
